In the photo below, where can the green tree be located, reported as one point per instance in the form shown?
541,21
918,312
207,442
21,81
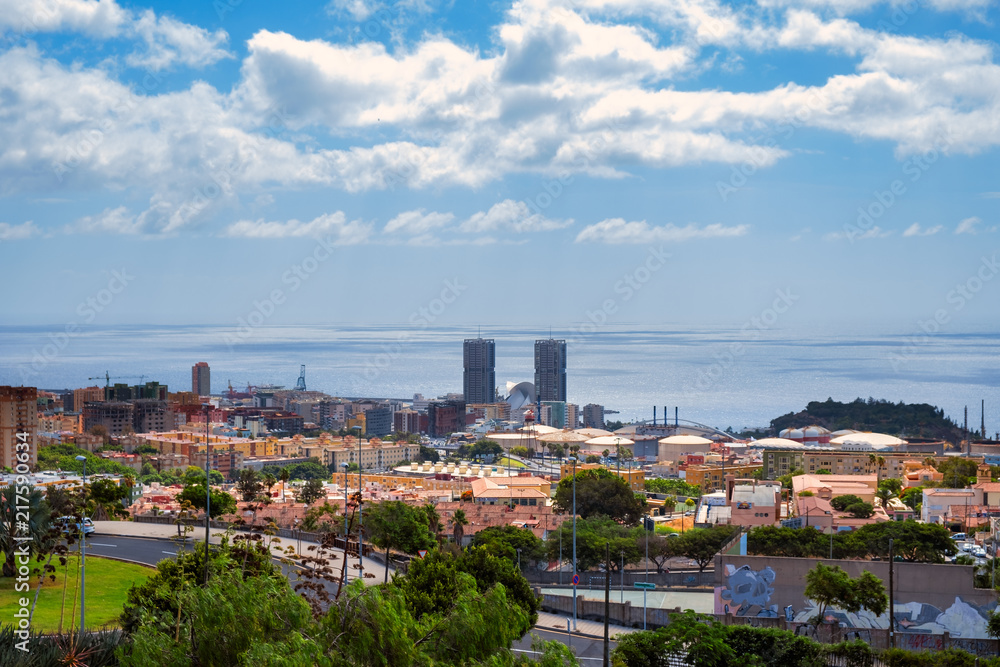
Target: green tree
106,499
958,472
13,507
786,480
860,510
592,535
697,639
702,544
459,521
395,525
311,492
830,586
221,502
676,487
892,484
505,541
249,485
912,541
661,550
232,621
600,492
429,454
841,503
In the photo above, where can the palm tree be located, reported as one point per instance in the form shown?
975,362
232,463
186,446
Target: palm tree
13,525
284,480
458,522
885,495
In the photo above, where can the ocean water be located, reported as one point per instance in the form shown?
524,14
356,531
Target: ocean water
717,376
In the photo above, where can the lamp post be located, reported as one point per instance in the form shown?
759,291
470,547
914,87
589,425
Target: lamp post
83,552
361,550
208,487
623,577
575,579
344,465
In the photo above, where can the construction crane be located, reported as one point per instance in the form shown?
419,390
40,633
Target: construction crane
300,385
108,378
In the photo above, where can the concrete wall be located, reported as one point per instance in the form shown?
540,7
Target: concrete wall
930,599
681,579
593,610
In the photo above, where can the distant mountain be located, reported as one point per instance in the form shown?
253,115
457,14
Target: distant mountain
905,420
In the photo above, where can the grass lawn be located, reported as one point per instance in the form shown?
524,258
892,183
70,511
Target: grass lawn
513,463
107,583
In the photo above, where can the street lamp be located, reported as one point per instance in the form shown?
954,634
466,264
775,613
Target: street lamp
575,579
208,487
623,576
83,551
361,550
345,465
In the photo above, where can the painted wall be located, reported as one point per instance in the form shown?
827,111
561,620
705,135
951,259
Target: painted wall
930,598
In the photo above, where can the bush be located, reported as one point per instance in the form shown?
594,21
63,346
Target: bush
775,648
857,653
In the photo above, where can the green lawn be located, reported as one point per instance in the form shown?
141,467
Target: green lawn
513,463
107,583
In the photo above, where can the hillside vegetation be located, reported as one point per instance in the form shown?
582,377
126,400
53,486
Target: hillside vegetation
906,420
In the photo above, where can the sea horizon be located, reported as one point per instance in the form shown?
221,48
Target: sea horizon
722,376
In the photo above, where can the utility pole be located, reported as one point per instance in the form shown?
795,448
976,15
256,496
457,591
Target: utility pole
607,602
892,600
208,485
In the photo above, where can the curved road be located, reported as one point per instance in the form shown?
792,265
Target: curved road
150,551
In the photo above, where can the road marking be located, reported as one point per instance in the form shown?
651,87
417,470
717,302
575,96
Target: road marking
172,553
95,544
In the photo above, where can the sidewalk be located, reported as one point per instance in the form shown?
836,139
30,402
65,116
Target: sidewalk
549,621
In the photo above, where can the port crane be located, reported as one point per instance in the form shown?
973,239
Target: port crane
300,384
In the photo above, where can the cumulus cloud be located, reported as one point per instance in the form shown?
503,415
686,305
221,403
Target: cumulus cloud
916,230
969,226
25,230
417,222
98,18
330,224
618,231
875,232
169,41
510,216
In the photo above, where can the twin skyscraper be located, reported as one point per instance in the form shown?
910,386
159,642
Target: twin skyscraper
479,361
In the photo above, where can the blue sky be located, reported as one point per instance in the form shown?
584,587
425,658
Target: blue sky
539,152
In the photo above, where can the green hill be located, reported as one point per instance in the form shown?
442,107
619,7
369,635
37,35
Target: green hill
906,420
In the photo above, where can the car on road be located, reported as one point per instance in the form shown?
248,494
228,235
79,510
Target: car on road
958,536
70,524
978,552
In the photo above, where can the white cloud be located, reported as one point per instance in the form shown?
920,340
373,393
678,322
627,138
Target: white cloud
330,224
510,216
969,226
109,221
359,10
169,41
916,230
100,18
417,222
617,230
853,235
25,230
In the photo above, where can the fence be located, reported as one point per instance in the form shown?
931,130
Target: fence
674,579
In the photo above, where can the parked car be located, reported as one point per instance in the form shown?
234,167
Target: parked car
978,552
958,536
70,524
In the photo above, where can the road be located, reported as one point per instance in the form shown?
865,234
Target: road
150,551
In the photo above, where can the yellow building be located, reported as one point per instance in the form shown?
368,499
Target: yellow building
710,477
636,478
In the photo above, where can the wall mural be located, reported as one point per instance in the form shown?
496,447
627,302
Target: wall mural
748,592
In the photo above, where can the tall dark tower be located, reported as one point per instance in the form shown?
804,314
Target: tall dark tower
550,370
479,380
